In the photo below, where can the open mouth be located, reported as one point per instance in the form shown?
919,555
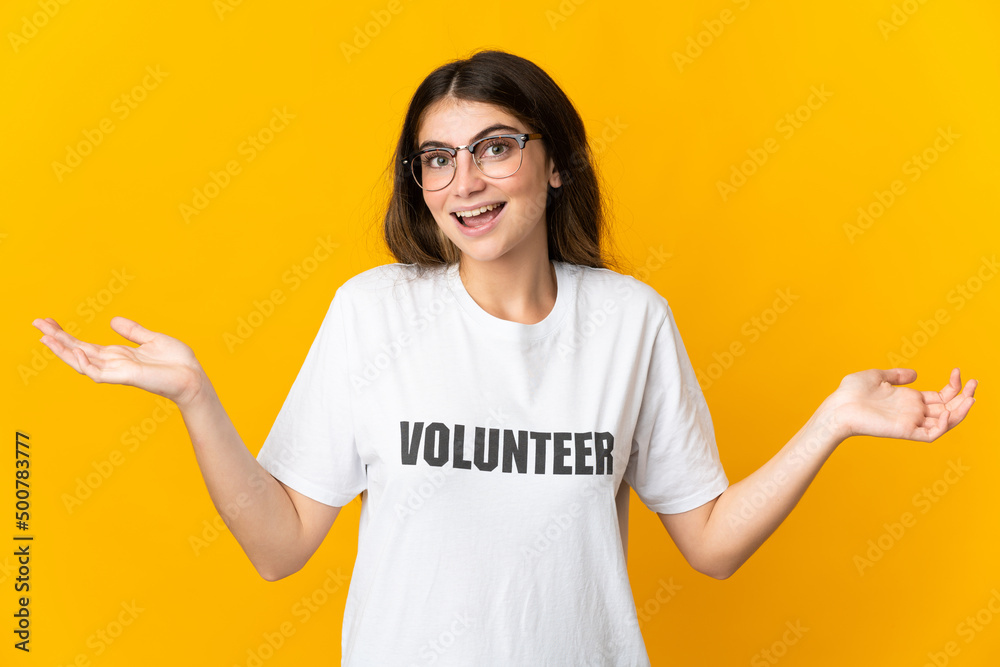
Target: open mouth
481,218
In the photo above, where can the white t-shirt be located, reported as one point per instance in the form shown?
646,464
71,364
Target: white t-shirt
488,454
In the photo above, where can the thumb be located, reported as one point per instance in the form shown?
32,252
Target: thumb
131,330
898,375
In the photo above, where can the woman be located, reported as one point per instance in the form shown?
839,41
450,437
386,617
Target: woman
492,396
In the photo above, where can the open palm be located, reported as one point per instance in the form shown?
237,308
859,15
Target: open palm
868,403
161,365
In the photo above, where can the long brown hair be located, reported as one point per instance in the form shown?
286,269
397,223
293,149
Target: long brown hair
576,214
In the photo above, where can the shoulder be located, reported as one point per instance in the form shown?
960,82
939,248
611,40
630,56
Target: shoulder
389,281
383,276
607,289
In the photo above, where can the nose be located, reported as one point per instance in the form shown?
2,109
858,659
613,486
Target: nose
468,177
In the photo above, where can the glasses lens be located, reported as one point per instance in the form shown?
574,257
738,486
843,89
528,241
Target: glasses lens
498,157
433,169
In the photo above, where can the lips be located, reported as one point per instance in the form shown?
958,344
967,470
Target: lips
482,218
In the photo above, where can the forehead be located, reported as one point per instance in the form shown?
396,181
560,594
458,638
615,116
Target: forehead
454,121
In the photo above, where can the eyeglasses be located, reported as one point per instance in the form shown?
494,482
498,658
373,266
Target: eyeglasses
498,156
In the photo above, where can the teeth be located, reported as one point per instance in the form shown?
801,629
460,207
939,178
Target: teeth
476,211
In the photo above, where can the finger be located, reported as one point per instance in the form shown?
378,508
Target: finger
934,410
932,429
932,398
955,400
898,375
70,342
970,387
940,427
955,412
950,390
87,368
46,325
958,412
957,405
64,346
131,330
64,353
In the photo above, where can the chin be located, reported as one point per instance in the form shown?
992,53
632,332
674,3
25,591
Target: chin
482,254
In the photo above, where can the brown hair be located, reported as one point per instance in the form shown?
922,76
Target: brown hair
576,214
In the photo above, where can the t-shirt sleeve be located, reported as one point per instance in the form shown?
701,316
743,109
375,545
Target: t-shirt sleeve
311,445
674,464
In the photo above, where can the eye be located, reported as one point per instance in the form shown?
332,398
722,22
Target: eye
495,149
435,159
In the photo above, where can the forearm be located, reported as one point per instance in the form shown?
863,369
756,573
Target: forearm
749,511
254,506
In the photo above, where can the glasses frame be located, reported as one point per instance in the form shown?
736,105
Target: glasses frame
521,139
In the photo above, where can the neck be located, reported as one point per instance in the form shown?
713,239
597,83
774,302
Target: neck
517,289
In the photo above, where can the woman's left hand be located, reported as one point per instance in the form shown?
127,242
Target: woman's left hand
867,403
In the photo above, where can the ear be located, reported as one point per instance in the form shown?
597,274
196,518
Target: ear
555,180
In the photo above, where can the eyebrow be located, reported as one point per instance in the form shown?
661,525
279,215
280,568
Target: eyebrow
479,135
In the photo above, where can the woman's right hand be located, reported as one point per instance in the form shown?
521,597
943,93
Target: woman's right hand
161,365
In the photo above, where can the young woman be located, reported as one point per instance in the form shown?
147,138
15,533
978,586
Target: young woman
492,396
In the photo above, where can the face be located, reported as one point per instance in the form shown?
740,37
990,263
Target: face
518,232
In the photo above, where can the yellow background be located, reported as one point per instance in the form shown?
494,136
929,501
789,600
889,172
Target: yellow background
666,134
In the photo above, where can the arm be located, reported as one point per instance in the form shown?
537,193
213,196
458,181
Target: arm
718,537
277,527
